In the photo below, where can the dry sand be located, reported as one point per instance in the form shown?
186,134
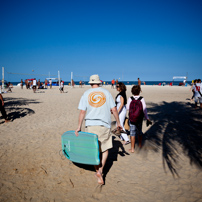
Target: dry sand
167,168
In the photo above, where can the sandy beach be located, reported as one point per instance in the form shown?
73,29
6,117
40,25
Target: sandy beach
167,168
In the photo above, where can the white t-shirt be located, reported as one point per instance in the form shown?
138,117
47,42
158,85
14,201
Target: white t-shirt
50,81
97,102
143,105
197,87
34,82
62,84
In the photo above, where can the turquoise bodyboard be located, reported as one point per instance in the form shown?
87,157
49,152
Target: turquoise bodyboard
82,149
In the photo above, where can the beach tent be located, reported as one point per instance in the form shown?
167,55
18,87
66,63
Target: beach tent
184,78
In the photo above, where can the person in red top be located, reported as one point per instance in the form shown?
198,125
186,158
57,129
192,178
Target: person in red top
113,82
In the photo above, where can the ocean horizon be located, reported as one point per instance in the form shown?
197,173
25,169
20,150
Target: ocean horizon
175,83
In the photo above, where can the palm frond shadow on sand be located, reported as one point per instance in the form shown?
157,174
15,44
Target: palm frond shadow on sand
177,128
15,107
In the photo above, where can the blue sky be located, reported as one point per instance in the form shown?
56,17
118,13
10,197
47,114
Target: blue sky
153,39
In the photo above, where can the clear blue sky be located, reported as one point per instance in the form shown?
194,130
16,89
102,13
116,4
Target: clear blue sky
153,40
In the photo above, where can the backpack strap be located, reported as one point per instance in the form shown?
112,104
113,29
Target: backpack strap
132,98
140,98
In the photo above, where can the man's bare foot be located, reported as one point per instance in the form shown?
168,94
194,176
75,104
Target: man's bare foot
99,177
131,150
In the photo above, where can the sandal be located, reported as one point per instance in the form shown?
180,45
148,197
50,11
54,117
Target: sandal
128,142
118,132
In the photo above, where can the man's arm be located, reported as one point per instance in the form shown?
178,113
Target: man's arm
81,118
116,116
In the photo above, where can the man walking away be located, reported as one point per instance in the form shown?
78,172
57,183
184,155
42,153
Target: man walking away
96,106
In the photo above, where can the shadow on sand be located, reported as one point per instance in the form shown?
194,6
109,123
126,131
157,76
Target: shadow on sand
177,128
113,154
15,107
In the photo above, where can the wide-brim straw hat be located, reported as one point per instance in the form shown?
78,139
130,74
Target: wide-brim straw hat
94,79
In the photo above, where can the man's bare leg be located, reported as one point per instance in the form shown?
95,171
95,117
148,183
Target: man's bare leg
132,139
99,169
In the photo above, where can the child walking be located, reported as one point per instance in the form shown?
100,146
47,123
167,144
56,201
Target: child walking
137,110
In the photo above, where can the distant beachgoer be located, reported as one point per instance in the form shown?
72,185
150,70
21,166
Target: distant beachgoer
2,109
96,106
39,84
21,83
29,84
197,89
192,85
73,83
117,81
46,83
144,82
62,86
121,101
50,82
136,127
80,84
112,82
10,85
34,82
26,83
139,84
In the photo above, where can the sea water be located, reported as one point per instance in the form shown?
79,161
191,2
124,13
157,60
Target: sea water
175,83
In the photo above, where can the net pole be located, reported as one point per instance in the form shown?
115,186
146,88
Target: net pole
59,78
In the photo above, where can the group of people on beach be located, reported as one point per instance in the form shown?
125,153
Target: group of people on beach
34,84
96,106
197,92
114,82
